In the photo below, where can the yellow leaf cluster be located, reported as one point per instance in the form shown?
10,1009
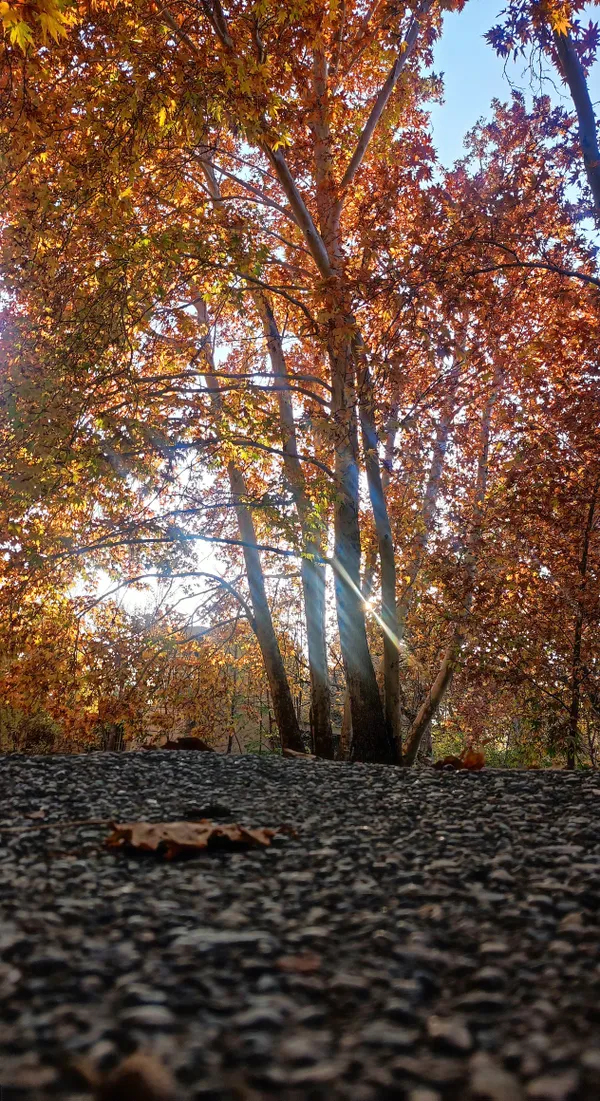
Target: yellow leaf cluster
48,17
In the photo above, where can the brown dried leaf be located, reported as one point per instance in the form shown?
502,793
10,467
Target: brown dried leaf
197,744
449,763
473,759
299,756
172,838
306,962
431,911
138,1078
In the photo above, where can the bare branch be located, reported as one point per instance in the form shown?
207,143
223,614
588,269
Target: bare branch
171,576
248,186
171,22
215,15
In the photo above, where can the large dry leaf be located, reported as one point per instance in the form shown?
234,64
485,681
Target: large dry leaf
470,759
306,962
171,838
448,762
138,1078
197,744
473,759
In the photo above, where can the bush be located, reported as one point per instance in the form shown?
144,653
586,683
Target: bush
22,733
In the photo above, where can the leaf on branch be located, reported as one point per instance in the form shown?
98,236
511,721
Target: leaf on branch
170,839
559,22
20,35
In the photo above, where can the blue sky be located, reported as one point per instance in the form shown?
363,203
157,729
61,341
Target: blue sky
474,75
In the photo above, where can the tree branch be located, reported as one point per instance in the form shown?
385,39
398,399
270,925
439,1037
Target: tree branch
574,75
385,92
299,209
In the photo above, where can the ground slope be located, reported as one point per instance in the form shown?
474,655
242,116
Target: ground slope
425,935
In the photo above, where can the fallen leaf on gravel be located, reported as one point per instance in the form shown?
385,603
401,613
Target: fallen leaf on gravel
188,743
431,911
172,838
41,813
137,1078
308,961
471,759
449,762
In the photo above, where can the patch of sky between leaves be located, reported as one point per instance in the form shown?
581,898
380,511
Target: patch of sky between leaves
474,75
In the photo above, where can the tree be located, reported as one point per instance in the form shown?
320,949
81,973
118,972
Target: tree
552,26
373,324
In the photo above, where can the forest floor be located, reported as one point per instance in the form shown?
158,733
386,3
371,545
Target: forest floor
423,935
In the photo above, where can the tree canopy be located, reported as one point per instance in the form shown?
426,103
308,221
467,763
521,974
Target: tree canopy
329,404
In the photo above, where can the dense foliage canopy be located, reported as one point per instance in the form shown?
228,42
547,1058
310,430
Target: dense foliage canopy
331,408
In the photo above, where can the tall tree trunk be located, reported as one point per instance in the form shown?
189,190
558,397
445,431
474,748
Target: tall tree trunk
371,740
371,737
262,625
576,665
368,580
430,706
283,704
572,70
312,568
387,560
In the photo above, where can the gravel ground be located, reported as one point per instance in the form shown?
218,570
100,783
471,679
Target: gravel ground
424,936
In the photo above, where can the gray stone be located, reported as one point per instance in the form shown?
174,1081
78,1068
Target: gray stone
380,1034
148,1016
204,939
489,1081
554,1087
450,1033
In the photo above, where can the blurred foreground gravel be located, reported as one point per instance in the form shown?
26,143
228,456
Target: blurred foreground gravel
425,935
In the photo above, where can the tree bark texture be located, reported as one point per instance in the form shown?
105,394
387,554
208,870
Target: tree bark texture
572,71
573,745
312,567
387,562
